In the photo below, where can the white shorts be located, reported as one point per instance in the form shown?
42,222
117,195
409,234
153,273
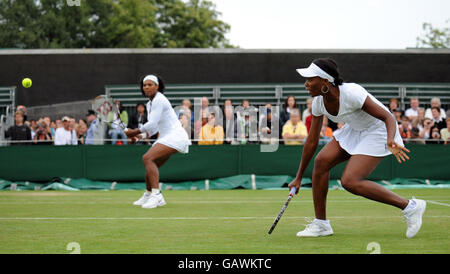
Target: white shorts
371,141
177,139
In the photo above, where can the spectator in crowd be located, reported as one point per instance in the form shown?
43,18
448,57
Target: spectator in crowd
245,103
203,116
289,104
229,121
405,128
244,124
23,109
42,136
294,131
211,134
265,132
53,128
435,102
326,133
393,104
48,122
228,103
425,132
398,113
186,108
59,123
72,123
411,112
307,111
418,122
139,118
439,122
435,136
65,135
81,130
93,127
445,132
415,136
33,127
186,124
116,132
18,132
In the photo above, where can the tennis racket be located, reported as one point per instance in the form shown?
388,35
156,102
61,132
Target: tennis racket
291,194
103,106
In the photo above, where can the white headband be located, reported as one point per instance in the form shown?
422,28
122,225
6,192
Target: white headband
151,78
314,70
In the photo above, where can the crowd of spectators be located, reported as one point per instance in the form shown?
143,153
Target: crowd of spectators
229,124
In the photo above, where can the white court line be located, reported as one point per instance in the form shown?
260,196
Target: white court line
437,203
192,218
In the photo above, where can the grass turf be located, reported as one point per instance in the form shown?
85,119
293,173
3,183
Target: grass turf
220,221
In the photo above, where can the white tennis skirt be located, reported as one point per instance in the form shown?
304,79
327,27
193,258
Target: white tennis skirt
371,141
177,139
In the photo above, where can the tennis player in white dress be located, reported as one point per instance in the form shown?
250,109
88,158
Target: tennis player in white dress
369,134
172,138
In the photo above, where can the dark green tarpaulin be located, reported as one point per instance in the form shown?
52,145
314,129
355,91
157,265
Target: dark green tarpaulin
233,182
124,163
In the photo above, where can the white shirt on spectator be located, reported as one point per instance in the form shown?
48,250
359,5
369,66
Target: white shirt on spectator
65,137
305,114
411,112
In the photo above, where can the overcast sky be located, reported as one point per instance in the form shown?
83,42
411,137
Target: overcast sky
339,24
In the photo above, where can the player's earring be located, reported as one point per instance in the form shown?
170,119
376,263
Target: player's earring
324,90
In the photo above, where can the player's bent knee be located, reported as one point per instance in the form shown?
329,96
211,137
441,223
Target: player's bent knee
321,164
350,183
147,159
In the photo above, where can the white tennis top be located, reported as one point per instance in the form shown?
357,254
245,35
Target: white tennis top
351,101
161,117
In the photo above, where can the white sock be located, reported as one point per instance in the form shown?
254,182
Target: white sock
148,192
155,191
411,205
325,222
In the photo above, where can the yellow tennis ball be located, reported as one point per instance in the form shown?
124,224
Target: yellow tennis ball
26,82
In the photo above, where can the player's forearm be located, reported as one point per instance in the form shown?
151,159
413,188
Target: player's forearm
391,127
308,152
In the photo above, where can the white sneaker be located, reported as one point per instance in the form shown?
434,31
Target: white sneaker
413,217
316,228
155,200
142,200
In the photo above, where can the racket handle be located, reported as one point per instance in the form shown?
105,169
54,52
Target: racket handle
293,190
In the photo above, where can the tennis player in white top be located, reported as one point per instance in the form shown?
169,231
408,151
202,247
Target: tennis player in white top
172,138
369,134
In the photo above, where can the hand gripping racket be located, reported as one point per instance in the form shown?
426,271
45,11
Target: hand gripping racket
291,194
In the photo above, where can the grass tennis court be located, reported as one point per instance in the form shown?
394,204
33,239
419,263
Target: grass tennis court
220,221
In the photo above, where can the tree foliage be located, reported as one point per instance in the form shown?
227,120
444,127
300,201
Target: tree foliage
111,24
434,37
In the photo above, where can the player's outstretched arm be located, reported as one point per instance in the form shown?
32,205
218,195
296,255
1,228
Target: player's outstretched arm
308,150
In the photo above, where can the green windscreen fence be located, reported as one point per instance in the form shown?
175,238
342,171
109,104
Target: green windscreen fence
204,167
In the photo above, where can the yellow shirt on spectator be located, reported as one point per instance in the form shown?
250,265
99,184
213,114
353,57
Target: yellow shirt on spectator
298,129
445,134
210,135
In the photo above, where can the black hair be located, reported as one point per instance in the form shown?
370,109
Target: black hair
161,85
438,109
141,104
285,105
330,66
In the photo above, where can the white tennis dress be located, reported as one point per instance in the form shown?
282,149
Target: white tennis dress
162,119
362,133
